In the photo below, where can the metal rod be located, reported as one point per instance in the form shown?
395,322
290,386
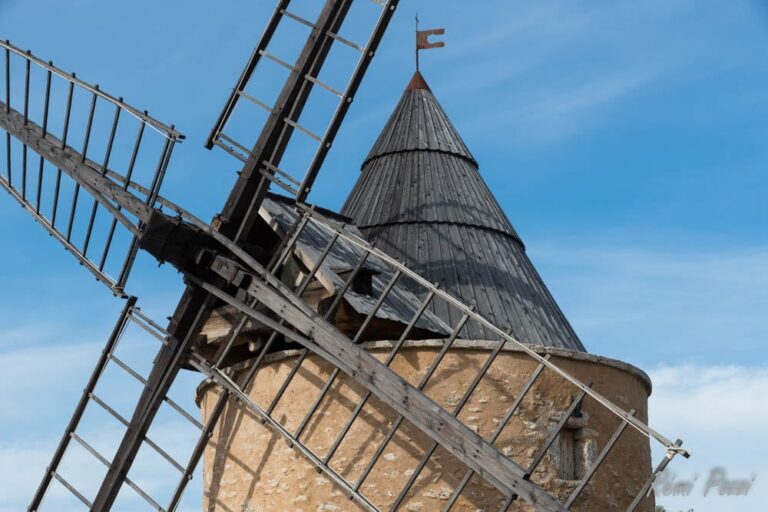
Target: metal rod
7,79
46,107
24,149
197,452
27,65
104,165
157,125
443,351
126,183
380,302
337,37
60,237
89,231
71,489
128,481
110,142
65,135
128,263
324,86
230,150
301,20
89,127
277,60
157,181
256,102
8,109
646,488
88,447
86,142
597,462
82,404
235,144
277,181
302,129
109,409
379,451
281,172
412,479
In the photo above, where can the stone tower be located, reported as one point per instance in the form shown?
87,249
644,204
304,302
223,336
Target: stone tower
421,199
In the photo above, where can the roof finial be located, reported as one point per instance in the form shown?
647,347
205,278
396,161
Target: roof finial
423,42
417,41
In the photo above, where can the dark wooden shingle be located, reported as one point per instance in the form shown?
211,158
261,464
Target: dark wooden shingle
421,198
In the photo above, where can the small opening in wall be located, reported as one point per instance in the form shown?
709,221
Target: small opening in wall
567,455
577,447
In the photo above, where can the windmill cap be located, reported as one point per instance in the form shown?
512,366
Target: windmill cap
418,83
419,123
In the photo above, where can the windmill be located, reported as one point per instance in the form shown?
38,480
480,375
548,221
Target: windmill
270,265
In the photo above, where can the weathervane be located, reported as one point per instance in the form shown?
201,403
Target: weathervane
423,42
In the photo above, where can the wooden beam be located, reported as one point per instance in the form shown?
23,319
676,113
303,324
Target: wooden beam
321,337
191,314
83,171
242,207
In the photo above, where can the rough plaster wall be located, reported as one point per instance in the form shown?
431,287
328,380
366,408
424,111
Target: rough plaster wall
248,468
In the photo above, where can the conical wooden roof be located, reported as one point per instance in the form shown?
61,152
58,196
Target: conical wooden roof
421,199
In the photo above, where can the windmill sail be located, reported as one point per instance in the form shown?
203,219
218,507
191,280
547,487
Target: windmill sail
410,401
72,156
306,89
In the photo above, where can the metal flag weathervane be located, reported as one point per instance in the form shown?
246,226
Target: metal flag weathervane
423,42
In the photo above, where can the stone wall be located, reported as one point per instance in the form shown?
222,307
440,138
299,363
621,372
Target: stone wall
249,468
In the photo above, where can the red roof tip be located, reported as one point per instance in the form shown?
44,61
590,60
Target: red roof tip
417,83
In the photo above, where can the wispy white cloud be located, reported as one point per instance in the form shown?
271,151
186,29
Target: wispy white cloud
720,412
33,378
560,111
644,304
566,67
40,386
23,464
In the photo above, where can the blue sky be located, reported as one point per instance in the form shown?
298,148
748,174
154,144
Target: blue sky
625,141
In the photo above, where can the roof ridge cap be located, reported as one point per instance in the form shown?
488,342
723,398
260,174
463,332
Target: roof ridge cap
466,157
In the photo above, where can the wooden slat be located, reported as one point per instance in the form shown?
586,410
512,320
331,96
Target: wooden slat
421,198
73,163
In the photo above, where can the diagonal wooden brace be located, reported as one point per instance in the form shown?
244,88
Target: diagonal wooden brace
321,337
